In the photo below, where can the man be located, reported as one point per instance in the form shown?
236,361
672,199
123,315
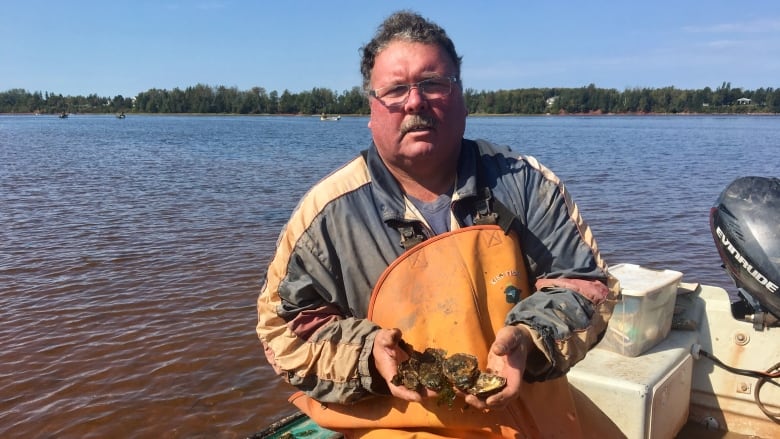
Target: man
429,240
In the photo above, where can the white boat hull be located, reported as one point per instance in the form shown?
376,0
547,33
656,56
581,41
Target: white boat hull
655,394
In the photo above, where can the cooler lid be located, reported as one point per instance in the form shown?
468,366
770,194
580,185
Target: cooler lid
636,280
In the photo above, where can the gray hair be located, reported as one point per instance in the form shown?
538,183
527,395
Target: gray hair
406,26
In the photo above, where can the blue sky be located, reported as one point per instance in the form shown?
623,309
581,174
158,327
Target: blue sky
127,47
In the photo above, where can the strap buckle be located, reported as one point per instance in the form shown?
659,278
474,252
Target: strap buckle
484,215
410,237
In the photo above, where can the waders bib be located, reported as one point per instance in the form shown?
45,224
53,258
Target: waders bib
453,292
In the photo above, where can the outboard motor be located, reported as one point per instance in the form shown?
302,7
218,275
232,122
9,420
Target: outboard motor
745,223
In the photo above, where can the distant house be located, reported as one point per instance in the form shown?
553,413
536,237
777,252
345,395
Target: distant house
743,101
551,101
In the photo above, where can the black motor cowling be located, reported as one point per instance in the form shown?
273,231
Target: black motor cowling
745,223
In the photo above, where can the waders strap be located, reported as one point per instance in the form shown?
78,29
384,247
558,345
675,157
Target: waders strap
482,211
488,210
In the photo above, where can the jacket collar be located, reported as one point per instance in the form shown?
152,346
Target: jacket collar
387,192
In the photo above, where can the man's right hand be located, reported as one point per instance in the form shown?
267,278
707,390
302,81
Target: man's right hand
388,354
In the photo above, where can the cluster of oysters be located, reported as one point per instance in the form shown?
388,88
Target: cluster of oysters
434,370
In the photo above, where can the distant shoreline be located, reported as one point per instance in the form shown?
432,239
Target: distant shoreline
589,114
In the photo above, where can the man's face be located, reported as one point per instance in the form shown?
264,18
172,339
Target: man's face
402,141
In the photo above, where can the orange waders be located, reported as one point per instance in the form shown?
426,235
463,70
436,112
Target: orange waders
451,292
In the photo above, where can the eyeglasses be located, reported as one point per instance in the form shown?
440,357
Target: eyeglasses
433,88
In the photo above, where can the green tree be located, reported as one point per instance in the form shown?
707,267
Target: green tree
287,103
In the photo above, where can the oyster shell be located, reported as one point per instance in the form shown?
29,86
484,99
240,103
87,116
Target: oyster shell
421,369
487,384
406,376
462,370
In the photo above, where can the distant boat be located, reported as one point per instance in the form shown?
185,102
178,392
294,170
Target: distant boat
121,116
63,115
326,117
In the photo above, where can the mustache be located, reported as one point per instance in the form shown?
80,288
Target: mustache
417,122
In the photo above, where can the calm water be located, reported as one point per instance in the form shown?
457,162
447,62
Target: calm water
131,251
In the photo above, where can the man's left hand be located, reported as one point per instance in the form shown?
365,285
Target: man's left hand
507,358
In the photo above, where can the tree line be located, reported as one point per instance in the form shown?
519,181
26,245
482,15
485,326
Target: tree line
590,99
206,99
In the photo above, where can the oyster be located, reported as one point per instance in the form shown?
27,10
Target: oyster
421,369
487,384
430,374
406,376
462,370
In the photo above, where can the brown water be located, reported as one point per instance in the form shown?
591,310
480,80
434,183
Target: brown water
132,251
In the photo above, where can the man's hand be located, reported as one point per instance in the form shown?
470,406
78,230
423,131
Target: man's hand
507,357
388,354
